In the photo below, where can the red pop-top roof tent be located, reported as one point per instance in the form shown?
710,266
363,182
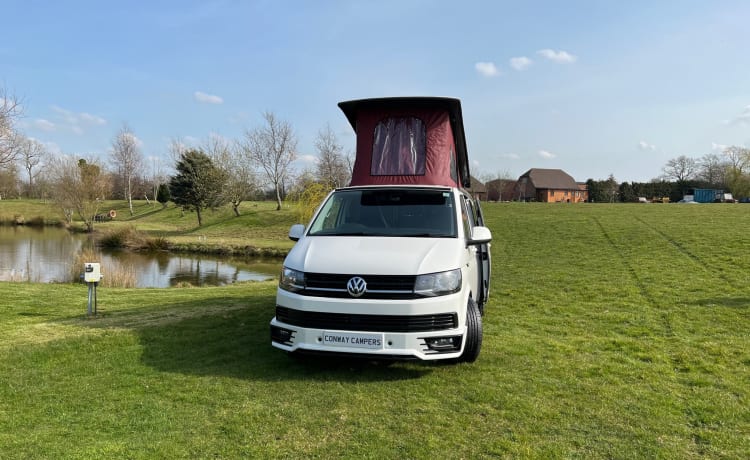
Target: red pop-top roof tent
408,140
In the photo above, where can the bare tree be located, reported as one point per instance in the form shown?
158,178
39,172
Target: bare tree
158,177
273,148
496,185
680,169
127,160
737,178
10,110
237,167
738,157
177,147
80,186
712,169
31,154
333,169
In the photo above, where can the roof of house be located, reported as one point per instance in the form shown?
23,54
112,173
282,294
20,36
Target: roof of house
556,179
477,186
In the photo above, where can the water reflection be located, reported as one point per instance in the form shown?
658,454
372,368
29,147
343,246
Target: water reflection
46,254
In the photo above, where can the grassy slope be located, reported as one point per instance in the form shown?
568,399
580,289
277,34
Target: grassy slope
612,332
259,224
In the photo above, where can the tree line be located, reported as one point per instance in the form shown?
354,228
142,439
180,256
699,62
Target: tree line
729,171
219,171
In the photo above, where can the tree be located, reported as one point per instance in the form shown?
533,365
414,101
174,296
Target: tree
738,157
272,147
712,169
31,153
332,168
127,159
10,110
237,168
737,178
680,169
497,185
80,186
197,184
162,195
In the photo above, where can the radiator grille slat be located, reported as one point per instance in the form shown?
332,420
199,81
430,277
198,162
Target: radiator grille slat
367,323
394,287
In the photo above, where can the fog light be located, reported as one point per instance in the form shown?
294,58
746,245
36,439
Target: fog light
281,335
444,344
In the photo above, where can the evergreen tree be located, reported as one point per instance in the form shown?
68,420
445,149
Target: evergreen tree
198,183
162,195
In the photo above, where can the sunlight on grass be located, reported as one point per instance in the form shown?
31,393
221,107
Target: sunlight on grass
612,331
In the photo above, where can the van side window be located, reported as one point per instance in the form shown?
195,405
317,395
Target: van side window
467,216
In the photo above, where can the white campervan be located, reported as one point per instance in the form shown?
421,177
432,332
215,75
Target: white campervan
397,265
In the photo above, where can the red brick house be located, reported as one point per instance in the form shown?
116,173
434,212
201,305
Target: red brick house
550,186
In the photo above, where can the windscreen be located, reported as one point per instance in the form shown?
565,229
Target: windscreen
387,212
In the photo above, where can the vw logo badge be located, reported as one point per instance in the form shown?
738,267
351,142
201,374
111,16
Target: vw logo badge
356,286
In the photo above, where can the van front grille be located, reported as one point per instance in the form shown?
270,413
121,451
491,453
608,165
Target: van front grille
395,287
367,323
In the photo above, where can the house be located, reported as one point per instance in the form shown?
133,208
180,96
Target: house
478,190
501,190
549,185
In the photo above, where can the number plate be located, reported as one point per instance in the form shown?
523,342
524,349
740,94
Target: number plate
355,340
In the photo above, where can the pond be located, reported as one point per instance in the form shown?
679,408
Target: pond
46,255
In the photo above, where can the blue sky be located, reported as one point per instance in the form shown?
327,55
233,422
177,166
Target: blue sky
594,88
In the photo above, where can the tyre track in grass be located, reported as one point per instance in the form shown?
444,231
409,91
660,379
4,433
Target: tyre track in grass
664,317
685,251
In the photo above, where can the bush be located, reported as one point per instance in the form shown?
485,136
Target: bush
130,238
309,200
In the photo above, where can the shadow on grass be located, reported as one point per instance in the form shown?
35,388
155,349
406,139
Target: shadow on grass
727,302
232,340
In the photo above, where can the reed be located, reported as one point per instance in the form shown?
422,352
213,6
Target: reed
115,274
130,238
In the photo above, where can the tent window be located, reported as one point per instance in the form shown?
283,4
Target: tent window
399,148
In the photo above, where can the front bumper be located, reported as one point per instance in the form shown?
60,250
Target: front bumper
399,330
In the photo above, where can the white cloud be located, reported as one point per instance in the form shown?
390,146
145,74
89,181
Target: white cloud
741,119
561,57
718,147
546,154
643,145
520,63
92,119
487,69
207,98
312,159
44,125
77,122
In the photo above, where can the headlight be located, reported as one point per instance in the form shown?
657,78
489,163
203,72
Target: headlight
291,280
435,284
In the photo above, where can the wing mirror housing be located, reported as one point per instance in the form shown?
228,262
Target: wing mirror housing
480,235
296,232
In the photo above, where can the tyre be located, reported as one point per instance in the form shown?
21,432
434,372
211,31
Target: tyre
473,333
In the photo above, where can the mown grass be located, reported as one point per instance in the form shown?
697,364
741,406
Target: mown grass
260,230
612,332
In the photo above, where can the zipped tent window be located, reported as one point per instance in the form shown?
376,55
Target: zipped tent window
399,148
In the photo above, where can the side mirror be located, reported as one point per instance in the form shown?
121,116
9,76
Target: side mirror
480,235
296,232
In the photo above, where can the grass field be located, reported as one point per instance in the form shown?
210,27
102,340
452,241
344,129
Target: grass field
613,331
259,225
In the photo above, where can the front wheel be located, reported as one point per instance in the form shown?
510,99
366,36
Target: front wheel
473,333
